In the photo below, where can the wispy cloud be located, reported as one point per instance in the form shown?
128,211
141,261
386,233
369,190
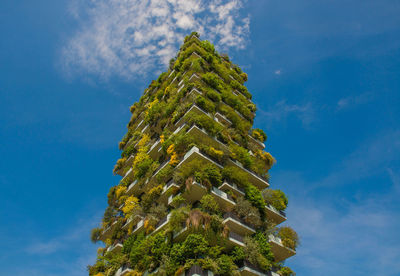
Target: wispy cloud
67,253
352,101
282,110
129,38
355,226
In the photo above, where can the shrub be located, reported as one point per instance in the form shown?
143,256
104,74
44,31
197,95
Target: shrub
265,248
244,76
225,265
253,254
259,134
194,246
205,104
249,213
275,198
131,203
212,80
289,237
208,204
213,95
237,254
241,154
240,178
286,271
95,234
254,196
141,164
213,174
267,161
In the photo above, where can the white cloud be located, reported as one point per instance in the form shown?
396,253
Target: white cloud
282,110
128,38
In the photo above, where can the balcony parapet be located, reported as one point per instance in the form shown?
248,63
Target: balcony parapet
237,225
254,178
226,186
116,248
274,214
196,270
235,240
123,270
280,251
224,200
248,269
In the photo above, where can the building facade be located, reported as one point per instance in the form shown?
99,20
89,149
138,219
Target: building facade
194,198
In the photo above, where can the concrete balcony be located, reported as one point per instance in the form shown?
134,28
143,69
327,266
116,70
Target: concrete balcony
248,269
116,248
170,188
194,92
253,178
181,235
133,187
196,270
123,270
195,154
108,231
195,110
222,119
237,225
139,227
128,163
226,186
274,214
194,192
280,251
235,239
254,144
155,150
204,137
132,221
224,201
161,225
128,175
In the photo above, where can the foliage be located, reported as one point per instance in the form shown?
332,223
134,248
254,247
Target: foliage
95,234
238,254
177,218
236,176
289,237
248,212
241,154
205,104
267,160
131,203
141,164
275,198
254,196
254,254
212,80
208,204
259,134
286,271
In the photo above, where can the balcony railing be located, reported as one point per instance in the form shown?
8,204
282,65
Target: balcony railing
196,270
236,237
282,213
235,217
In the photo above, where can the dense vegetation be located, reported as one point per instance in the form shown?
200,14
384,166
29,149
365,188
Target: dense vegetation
199,105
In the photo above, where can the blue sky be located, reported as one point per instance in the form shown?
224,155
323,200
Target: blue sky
325,76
